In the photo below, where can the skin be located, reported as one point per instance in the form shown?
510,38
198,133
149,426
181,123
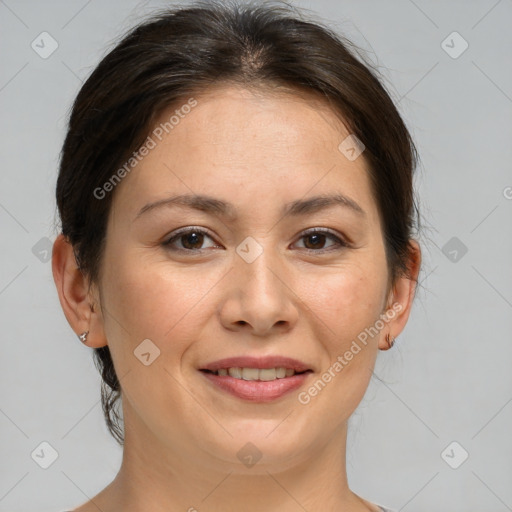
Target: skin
182,434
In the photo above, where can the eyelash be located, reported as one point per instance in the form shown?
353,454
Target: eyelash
339,241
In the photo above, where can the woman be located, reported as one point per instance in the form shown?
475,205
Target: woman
237,210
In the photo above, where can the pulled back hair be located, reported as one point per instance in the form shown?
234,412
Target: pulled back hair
183,51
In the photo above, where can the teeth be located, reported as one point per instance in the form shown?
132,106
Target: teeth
264,374
235,372
268,374
250,373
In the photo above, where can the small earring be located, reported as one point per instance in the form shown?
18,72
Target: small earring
390,343
83,336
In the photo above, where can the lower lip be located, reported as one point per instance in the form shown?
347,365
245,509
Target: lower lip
257,390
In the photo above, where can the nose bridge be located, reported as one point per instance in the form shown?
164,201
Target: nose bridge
257,264
261,298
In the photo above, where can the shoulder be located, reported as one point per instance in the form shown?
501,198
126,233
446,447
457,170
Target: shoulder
379,508
376,507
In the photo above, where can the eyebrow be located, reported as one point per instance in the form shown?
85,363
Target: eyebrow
223,209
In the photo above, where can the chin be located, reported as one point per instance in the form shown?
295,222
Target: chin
259,446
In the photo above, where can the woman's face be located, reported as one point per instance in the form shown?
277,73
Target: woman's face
203,283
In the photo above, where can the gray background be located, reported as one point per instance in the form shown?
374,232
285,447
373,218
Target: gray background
447,379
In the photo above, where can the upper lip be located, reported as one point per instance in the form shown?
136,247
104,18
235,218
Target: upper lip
257,362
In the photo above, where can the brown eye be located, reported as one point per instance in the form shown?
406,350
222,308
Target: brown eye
190,239
316,240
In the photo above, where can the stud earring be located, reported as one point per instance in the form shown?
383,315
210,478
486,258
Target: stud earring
83,336
390,342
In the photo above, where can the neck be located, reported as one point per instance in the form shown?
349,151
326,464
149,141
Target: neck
161,477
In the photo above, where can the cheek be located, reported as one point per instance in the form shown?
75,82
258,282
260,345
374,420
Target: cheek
346,301
151,299
148,303
346,304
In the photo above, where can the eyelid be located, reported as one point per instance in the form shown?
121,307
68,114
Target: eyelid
341,240
329,231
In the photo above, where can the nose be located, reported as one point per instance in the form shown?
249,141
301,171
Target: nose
260,297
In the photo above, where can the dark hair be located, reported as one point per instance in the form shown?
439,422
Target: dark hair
186,49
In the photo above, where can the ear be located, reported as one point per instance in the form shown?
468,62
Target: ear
401,297
80,305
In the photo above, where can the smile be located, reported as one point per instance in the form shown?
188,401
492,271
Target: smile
265,374
256,384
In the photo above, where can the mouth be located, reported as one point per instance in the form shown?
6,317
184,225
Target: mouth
256,379
256,374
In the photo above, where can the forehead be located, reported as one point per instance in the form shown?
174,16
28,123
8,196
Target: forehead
243,144
281,120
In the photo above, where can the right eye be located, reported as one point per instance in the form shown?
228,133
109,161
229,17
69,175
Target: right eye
190,238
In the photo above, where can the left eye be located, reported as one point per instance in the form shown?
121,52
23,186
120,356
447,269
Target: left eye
192,239
318,237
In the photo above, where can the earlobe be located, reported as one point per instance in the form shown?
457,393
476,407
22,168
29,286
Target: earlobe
74,296
401,298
